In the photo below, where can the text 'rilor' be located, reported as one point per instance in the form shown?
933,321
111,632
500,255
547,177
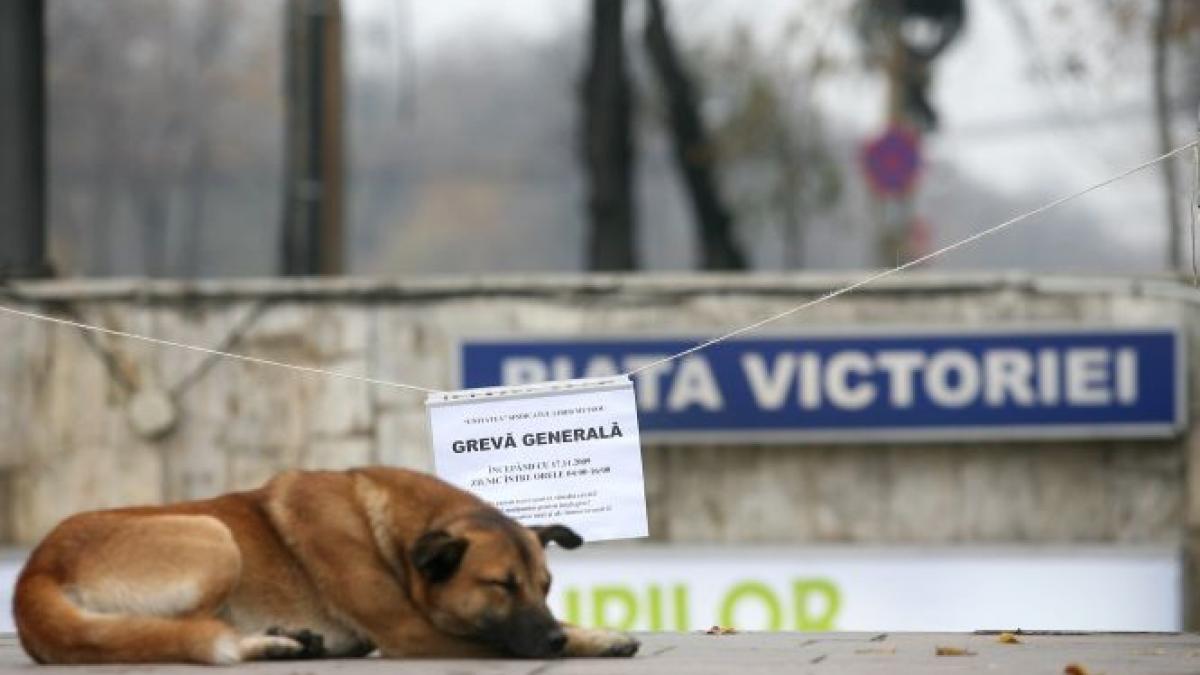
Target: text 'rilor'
805,605
856,379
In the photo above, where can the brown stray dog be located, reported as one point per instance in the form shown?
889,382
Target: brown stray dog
314,563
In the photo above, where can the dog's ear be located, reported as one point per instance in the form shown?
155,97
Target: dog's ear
559,534
437,554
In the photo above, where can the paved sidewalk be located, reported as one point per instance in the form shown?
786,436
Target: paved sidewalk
762,653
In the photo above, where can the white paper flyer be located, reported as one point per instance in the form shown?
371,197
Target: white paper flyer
560,452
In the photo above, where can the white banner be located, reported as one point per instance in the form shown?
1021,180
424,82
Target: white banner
563,452
868,589
10,567
850,588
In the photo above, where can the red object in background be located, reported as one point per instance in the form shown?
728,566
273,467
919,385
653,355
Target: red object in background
892,161
920,238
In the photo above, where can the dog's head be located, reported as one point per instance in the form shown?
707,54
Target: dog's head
483,576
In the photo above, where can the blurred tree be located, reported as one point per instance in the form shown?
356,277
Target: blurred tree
1176,26
161,117
772,145
23,137
608,143
1160,34
1096,53
694,153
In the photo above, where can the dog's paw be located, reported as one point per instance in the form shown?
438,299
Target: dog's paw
257,647
280,644
623,645
599,642
313,644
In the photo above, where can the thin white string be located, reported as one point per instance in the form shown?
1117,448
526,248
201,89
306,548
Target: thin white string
214,352
913,263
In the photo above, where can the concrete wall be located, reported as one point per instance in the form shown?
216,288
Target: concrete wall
67,442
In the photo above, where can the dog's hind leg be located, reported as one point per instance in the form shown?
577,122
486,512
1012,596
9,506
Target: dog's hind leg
131,589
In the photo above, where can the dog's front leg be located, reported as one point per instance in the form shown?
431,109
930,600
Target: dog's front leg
598,642
373,600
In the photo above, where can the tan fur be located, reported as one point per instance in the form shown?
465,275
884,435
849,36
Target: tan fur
327,552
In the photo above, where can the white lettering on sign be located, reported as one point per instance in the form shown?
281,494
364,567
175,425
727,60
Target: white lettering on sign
523,370
647,380
846,380
769,387
601,366
694,386
855,379
1008,376
901,366
810,381
1126,376
1047,377
952,379
1087,377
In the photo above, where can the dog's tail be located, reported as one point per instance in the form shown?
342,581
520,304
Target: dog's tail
54,629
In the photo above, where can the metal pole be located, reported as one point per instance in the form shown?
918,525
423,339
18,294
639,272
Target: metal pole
22,140
895,214
313,223
1162,121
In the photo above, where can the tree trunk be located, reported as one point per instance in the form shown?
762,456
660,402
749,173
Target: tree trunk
23,139
1162,118
794,218
896,215
693,152
607,141
313,219
152,211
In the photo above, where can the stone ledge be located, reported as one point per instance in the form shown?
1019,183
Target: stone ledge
557,285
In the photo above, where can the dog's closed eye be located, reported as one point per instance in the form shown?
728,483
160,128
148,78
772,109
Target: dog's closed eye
508,583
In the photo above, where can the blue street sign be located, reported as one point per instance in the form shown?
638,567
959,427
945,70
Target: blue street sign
899,385
892,161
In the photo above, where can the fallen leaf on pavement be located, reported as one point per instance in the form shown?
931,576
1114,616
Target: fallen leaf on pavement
953,651
1075,669
1008,639
720,630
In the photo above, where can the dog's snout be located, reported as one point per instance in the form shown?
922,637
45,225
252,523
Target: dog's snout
556,642
533,633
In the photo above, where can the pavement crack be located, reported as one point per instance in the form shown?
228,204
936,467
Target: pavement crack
819,659
879,638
